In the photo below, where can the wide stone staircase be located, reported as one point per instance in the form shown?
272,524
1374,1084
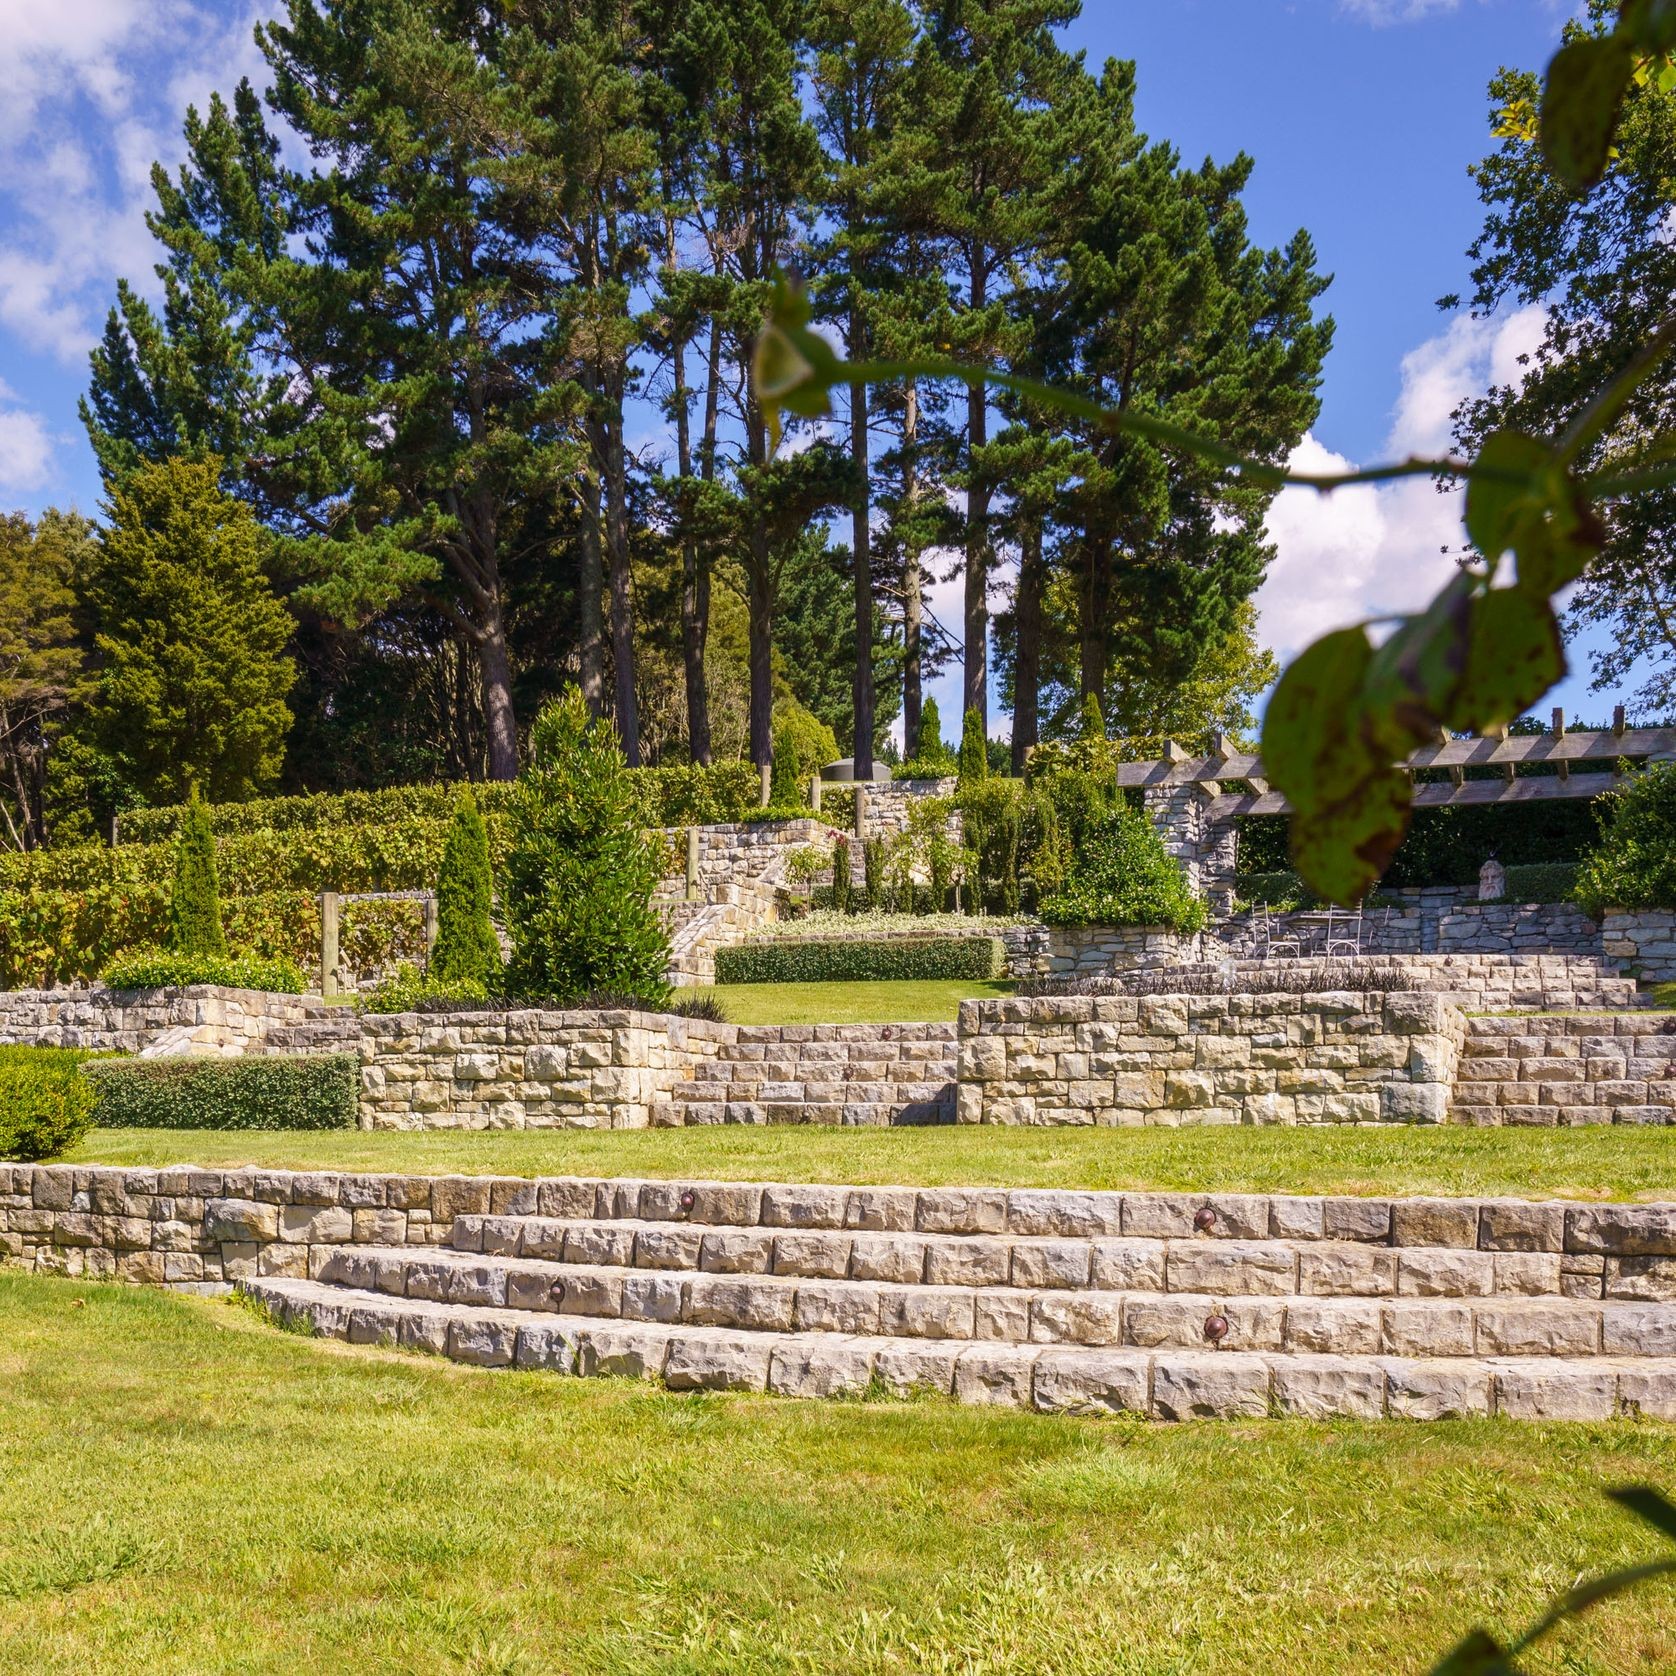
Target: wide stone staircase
1167,1305
866,1075
1568,1068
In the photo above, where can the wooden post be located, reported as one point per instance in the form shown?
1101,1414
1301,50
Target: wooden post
1559,733
116,830
861,811
765,783
1618,721
815,793
692,863
328,943
430,927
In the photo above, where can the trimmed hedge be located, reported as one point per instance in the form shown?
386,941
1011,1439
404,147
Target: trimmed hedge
1543,881
883,960
159,969
46,1105
265,1091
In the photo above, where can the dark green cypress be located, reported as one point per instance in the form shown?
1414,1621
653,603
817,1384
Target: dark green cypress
194,901
467,950
974,750
841,876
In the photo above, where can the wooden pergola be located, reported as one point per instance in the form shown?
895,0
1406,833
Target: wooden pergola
1567,753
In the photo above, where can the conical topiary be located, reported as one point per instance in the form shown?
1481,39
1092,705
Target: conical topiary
974,750
194,902
467,950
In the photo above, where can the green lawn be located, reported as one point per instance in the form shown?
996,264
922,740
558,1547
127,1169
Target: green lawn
930,1001
185,1490
1603,1163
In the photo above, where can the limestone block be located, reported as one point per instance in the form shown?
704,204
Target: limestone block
1192,1386
1076,1318
240,1220
649,1297
889,1258
1293,1218
487,1342
716,1363
1345,1270
819,1256
1531,1274
1051,1262
1329,1388
1187,1090
968,1262
1437,1390
804,1207
1341,1326
739,1301
1649,1278
1001,1313
995,1376
1515,1225
1550,1390
1633,1329
1445,1273
905,1367
1358,1219
1048,1211
1424,1102
1561,1327
1622,1230
1077,1381
1127,1265
549,1345
961,1210
1649,1392
592,1243
1232,1267
621,1351
1435,1222
813,1367
921,1312
315,1225
837,1307
737,1251
1428,1329
738,1203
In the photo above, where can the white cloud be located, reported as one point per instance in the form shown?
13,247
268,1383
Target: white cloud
25,454
1374,550
1382,12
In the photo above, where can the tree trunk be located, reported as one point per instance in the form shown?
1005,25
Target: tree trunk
759,581
497,696
695,600
590,628
861,540
1027,664
622,582
912,603
976,695
1096,610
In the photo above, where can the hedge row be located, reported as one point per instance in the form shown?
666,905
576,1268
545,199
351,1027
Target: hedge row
684,795
849,961
46,1105
1543,881
52,937
267,1091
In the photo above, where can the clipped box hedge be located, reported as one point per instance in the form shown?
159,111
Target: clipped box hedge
46,1106
265,1091
1542,881
851,960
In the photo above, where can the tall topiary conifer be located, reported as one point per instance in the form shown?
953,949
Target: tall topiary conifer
467,950
578,881
194,901
974,751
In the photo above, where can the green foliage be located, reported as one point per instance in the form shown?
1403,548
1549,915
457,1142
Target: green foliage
194,900
1091,724
842,876
1544,881
933,760
165,969
580,871
408,989
873,872
1634,863
1283,890
884,959
46,1104
258,1091
974,751
192,677
467,950
1124,876
803,746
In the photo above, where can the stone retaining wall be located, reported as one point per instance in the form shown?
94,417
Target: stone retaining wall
1197,1059
1438,922
188,1225
1042,951
200,1019
1645,941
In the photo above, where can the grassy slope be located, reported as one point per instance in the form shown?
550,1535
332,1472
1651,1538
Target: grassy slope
919,1001
183,1489
1610,1163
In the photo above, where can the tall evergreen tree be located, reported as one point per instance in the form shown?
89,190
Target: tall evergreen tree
467,950
190,672
194,897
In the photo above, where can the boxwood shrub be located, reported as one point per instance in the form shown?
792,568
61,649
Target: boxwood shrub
1542,881
46,1105
264,1091
847,960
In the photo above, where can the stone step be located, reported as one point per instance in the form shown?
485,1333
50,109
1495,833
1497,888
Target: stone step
853,1114
1270,1267
1164,1384
1147,1319
813,1091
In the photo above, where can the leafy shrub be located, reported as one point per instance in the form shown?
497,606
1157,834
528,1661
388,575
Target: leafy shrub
974,750
260,1091
580,873
409,990
162,969
803,745
1283,889
873,872
1543,881
1633,864
46,1105
1124,876
842,877
467,950
781,812
194,901
852,960
807,862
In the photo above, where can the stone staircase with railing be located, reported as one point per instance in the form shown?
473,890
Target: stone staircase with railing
1168,1305
857,1075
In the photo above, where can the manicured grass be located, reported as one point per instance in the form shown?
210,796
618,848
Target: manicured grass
1600,1163
917,1001
184,1489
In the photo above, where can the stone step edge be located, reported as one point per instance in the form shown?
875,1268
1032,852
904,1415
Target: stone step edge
507,1237
1165,1385
1534,1326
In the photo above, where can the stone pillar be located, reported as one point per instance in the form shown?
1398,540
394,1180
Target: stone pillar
1205,849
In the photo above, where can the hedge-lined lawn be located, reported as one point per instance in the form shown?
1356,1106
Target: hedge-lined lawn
913,1001
183,1489
1603,1163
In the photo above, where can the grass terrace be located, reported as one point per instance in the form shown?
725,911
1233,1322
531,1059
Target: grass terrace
187,1490
1607,1163
909,1001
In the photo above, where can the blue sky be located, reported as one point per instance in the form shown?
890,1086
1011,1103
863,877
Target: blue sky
1362,116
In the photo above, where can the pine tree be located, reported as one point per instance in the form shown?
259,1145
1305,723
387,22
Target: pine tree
579,876
974,750
190,641
467,951
194,900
